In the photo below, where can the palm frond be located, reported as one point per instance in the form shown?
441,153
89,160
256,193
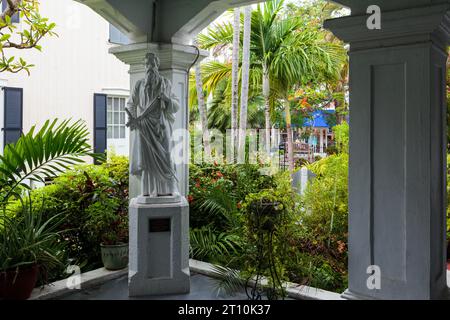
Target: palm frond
207,244
37,156
217,36
228,280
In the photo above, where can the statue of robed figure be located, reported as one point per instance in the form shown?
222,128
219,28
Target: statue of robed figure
151,111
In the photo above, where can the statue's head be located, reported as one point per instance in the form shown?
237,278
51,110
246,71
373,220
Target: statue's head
151,62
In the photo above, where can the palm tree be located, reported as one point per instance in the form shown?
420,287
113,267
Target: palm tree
287,50
244,83
202,110
235,78
305,58
216,78
265,45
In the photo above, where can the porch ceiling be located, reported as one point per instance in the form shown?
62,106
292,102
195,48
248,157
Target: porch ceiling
179,21
164,20
360,6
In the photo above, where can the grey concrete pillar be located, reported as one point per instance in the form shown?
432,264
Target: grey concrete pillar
175,62
397,179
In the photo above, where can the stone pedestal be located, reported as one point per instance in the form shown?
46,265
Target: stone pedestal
397,170
159,248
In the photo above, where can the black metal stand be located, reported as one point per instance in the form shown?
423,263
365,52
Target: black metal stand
265,227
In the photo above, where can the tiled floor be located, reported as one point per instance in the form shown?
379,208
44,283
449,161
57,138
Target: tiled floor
202,288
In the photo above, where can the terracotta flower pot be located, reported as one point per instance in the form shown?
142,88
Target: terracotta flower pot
18,285
448,255
115,257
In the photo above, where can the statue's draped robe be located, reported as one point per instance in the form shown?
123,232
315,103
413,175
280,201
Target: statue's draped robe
151,139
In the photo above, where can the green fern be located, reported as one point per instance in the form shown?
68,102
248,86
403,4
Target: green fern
221,204
207,244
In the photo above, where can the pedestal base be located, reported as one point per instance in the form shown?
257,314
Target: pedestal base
160,199
349,295
159,248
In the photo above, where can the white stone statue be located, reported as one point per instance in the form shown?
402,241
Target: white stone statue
151,111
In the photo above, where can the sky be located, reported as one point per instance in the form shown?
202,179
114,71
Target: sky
228,17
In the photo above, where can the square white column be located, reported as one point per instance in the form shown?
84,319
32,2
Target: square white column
397,177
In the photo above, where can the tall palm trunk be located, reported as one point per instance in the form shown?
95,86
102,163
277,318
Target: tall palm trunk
203,112
245,83
266,95
235,79
290,142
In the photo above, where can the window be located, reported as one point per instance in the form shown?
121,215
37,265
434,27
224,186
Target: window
116,36
116,118
15,18
13,114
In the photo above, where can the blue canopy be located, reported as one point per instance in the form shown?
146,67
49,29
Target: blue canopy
318,119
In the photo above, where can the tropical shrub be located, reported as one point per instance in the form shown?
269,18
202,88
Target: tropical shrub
321,255
107,222
27,236
94,199
341,133
326,199
270,218
217,193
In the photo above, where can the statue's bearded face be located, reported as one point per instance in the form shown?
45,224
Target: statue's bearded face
152,65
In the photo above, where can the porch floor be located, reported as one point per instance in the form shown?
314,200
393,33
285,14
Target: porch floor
202,288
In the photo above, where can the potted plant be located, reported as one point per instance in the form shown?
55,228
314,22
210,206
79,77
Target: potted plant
448,254
28,245
108,224
448,243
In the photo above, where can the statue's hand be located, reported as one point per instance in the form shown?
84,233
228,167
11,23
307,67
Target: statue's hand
132,120
131,124
165,98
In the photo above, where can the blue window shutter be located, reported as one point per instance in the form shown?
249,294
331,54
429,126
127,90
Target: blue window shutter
13,114
100,125
116,36
15,18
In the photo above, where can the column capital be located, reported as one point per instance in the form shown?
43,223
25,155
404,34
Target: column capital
407,26
172,56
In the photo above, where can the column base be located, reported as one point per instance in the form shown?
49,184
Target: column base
159,248
138,286
349,295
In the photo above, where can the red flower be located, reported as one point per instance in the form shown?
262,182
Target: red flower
219,174
190,198
341,247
